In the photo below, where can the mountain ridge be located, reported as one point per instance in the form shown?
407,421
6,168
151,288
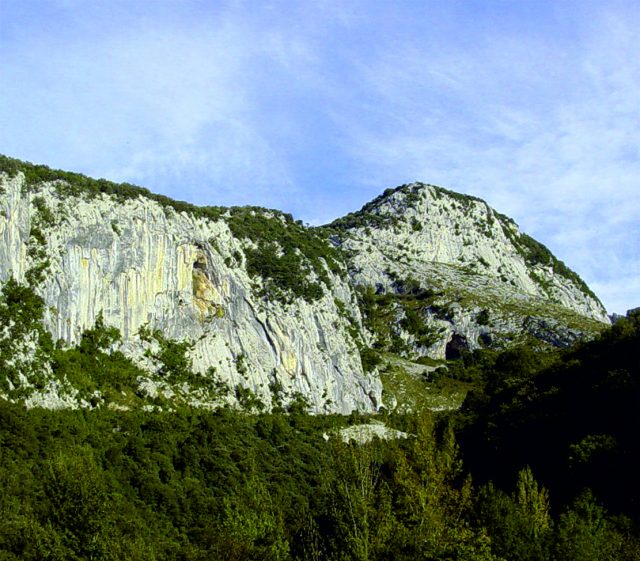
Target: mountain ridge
372,214
253,300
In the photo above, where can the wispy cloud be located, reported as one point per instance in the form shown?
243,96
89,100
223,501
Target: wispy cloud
315,108
172,104
546,131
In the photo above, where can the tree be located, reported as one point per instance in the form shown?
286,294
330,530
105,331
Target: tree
361,502
432,503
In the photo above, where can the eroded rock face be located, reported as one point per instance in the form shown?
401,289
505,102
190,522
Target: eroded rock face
139,264
464,277
487,280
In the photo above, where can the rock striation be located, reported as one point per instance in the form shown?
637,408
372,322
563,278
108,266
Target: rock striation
139,264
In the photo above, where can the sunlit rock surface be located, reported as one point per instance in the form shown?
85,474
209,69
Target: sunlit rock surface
488,281
142,266
139,264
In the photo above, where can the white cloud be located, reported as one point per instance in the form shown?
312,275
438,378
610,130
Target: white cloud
166,105
500,121
318,107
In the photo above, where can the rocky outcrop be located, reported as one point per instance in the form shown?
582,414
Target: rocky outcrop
267,310
486,283
140,264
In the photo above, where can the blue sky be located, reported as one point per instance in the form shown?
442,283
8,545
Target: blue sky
317,107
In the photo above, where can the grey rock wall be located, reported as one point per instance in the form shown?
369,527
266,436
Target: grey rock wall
471,257
140,264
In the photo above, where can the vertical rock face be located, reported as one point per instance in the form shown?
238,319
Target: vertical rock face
139,264
14,227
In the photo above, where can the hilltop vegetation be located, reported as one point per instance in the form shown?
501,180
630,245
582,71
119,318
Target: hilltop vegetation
284,253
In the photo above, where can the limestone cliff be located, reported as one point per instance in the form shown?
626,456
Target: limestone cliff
480,281
141,264
247,306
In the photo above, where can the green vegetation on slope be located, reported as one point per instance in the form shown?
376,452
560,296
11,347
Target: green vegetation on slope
24,343
417,386
192,485
197,485
386,314
549,443
76,184
571,415
292,259
93,370
535,253
368,215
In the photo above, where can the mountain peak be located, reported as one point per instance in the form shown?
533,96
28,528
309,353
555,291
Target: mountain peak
420,226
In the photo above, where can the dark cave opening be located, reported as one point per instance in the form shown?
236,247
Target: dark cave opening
456,346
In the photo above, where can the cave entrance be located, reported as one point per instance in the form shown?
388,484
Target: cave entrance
456,346
200,262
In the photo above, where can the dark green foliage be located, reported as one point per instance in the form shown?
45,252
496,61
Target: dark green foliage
79,185
284,275
99,338
21,313
287,253
520,523
93,366
414,323
222,485
472,366
37,245
571,415
175,363
277,394
173,357
370,216
299,404
80,485
241,366
197,485
248,400
483,317
379,314
10,166
585,533
462,198
20,305
44,215
406,308
370,358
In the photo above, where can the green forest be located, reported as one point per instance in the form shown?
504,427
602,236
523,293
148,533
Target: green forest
541,463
